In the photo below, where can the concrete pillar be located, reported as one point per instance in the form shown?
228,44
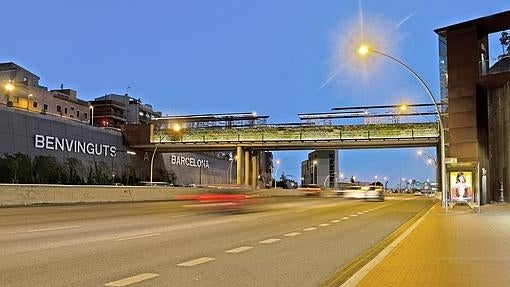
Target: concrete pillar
239,166
254,169
246,167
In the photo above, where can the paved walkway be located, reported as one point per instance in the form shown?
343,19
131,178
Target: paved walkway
458,248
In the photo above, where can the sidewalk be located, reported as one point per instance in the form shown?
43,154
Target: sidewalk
458,248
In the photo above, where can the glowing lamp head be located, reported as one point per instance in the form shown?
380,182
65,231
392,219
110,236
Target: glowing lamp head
176,127
9,87
363,50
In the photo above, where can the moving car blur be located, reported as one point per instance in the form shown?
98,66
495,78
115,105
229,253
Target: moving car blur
372,192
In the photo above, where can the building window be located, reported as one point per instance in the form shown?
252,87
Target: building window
71,116
77,114
16,100
86,116
59,109
45,107
65,110
72,108
34,104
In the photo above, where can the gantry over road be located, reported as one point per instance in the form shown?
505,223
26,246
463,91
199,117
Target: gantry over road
247,133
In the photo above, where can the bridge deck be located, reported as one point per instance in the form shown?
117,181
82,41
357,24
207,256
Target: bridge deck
298,136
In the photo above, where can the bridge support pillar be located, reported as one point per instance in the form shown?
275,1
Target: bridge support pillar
246,167
254,169
240,165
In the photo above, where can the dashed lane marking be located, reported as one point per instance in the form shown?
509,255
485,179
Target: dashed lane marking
301,210
239,249
196,261
291,234
54,228
309,229
335,221
268,241
132,279
324,224
138,236
360,213
353,215
345,217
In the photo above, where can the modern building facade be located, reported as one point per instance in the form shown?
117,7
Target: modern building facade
475,83
320,168
112,110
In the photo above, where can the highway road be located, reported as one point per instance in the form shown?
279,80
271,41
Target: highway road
283,241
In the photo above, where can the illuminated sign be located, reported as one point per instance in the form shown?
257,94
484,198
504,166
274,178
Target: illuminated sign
189,161
461,186
76,146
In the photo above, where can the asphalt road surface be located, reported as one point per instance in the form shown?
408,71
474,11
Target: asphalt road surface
273,242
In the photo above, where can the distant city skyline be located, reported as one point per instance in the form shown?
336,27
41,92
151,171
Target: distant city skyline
276,58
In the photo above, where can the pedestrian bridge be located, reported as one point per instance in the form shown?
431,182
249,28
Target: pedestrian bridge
295,137
247,134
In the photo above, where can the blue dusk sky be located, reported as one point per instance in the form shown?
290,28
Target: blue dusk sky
278,58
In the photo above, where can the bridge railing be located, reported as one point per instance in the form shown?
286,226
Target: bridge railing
300,133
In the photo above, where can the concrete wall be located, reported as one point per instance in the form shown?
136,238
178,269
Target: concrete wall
26,194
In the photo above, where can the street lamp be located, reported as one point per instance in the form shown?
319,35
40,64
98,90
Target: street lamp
314,163
91,107
363,50
152,161
276,171
430,159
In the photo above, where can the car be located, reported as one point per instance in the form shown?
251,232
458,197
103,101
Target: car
371,192
374,193
310,189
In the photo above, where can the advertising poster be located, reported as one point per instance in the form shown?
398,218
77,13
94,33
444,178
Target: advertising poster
461,186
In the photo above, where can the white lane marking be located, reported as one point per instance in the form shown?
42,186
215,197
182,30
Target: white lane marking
138,236
324,224
335,221
309,229
196,261
365,211
353,215
180,215
292,234
268,241
360,213
345,217
301,210
54,228
239,249
132,279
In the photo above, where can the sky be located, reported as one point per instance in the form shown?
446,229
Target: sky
277,58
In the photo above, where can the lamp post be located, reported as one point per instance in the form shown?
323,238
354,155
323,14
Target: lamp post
276,171
314,163
91,115
363,50
430,159
230,169
152,161
329,175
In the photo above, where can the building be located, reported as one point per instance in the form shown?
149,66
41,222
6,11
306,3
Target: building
112,110
321,168
22,90
47,137
474,59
